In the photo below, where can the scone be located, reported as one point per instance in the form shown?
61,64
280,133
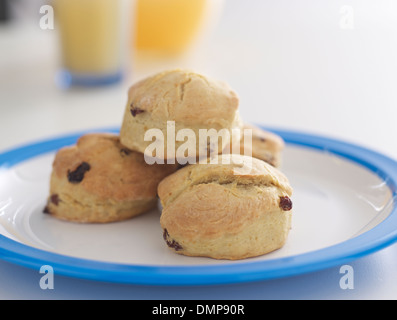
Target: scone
98,180
223,211
191,111
264,145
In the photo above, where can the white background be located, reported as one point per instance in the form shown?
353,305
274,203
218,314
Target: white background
295,65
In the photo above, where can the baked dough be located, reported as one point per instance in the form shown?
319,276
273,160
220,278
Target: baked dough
226,211
98,180
186,100
264,145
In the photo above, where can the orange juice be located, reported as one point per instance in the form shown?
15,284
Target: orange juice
89,35
167,25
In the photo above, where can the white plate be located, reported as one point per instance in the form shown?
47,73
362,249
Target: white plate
342,196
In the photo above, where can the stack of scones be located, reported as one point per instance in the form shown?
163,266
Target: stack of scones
182,142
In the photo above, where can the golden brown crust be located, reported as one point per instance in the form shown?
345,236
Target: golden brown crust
239,169
190,100
264,145
185,96
99,180
219,211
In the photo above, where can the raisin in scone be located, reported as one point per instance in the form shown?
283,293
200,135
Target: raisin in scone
264,145
98,180
188,101
225,211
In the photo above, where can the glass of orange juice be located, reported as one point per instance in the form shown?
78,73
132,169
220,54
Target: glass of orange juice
90,39
168,26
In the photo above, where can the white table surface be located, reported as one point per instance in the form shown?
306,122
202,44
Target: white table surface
294,64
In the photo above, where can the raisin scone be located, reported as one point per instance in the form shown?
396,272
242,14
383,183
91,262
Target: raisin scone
182,103
264,145
225,211
98,180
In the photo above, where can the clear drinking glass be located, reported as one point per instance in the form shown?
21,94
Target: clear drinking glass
90,34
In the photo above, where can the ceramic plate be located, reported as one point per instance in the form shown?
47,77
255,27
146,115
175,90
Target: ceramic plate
344,208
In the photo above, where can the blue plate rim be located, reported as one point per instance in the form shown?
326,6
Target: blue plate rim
373,240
